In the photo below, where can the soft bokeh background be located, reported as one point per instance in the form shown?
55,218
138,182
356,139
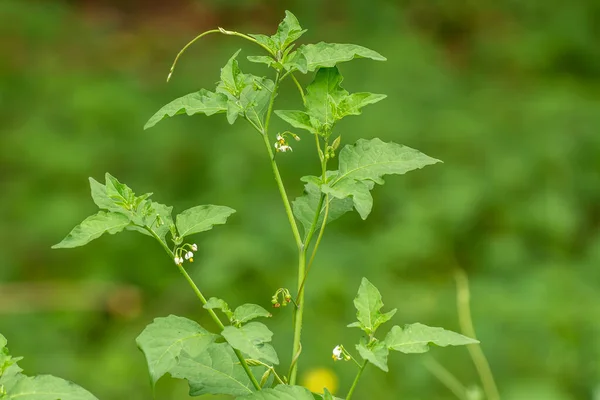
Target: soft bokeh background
505,92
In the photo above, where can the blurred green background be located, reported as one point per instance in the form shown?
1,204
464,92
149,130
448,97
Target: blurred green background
506,92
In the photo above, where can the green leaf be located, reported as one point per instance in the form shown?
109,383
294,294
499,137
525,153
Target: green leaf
269,61
100,197
365,163
248,312
219,304
232,79
166,216
327,102
201,218
305,206
298,119
368,304
201,102
352,104
330,54
415,338
45,387
213,371
322,95
255,98
376,354
288,31
358,191
8,363
117,191
281,392
252,339
265,41
327,395
163,341
92,228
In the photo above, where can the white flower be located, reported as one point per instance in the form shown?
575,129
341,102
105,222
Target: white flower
279,138
189,255
284,148
178,260
194,247
337,353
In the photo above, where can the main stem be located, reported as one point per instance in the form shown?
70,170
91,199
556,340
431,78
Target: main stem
355,383
299,310
213,315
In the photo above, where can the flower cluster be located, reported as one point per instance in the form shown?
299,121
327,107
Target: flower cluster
286,298
281,145
340,353
185,252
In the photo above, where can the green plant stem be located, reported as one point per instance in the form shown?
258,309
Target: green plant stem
301,92
213,315
353,387
446,377
463,298
298,315
298,311
282,191
220,30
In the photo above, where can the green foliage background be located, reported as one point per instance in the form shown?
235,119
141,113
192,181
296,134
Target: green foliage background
505,92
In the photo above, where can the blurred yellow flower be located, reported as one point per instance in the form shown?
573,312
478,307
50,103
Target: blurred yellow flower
318,378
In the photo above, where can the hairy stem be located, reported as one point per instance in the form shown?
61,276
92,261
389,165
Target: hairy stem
360,371
463,298
213,315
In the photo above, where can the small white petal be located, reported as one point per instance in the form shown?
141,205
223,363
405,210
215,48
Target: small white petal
194,247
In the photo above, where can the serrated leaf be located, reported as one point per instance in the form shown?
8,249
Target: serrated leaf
327,102
163,341
368,304
252,339
248,312
305,206
365,163
415,338
213,371
201,102
45,387
352,104
219,304
372,159
288,31
322,95
376,354
116,190
92,228
201,218
281,392
232,79
358,191
100,197
298,119
330,54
